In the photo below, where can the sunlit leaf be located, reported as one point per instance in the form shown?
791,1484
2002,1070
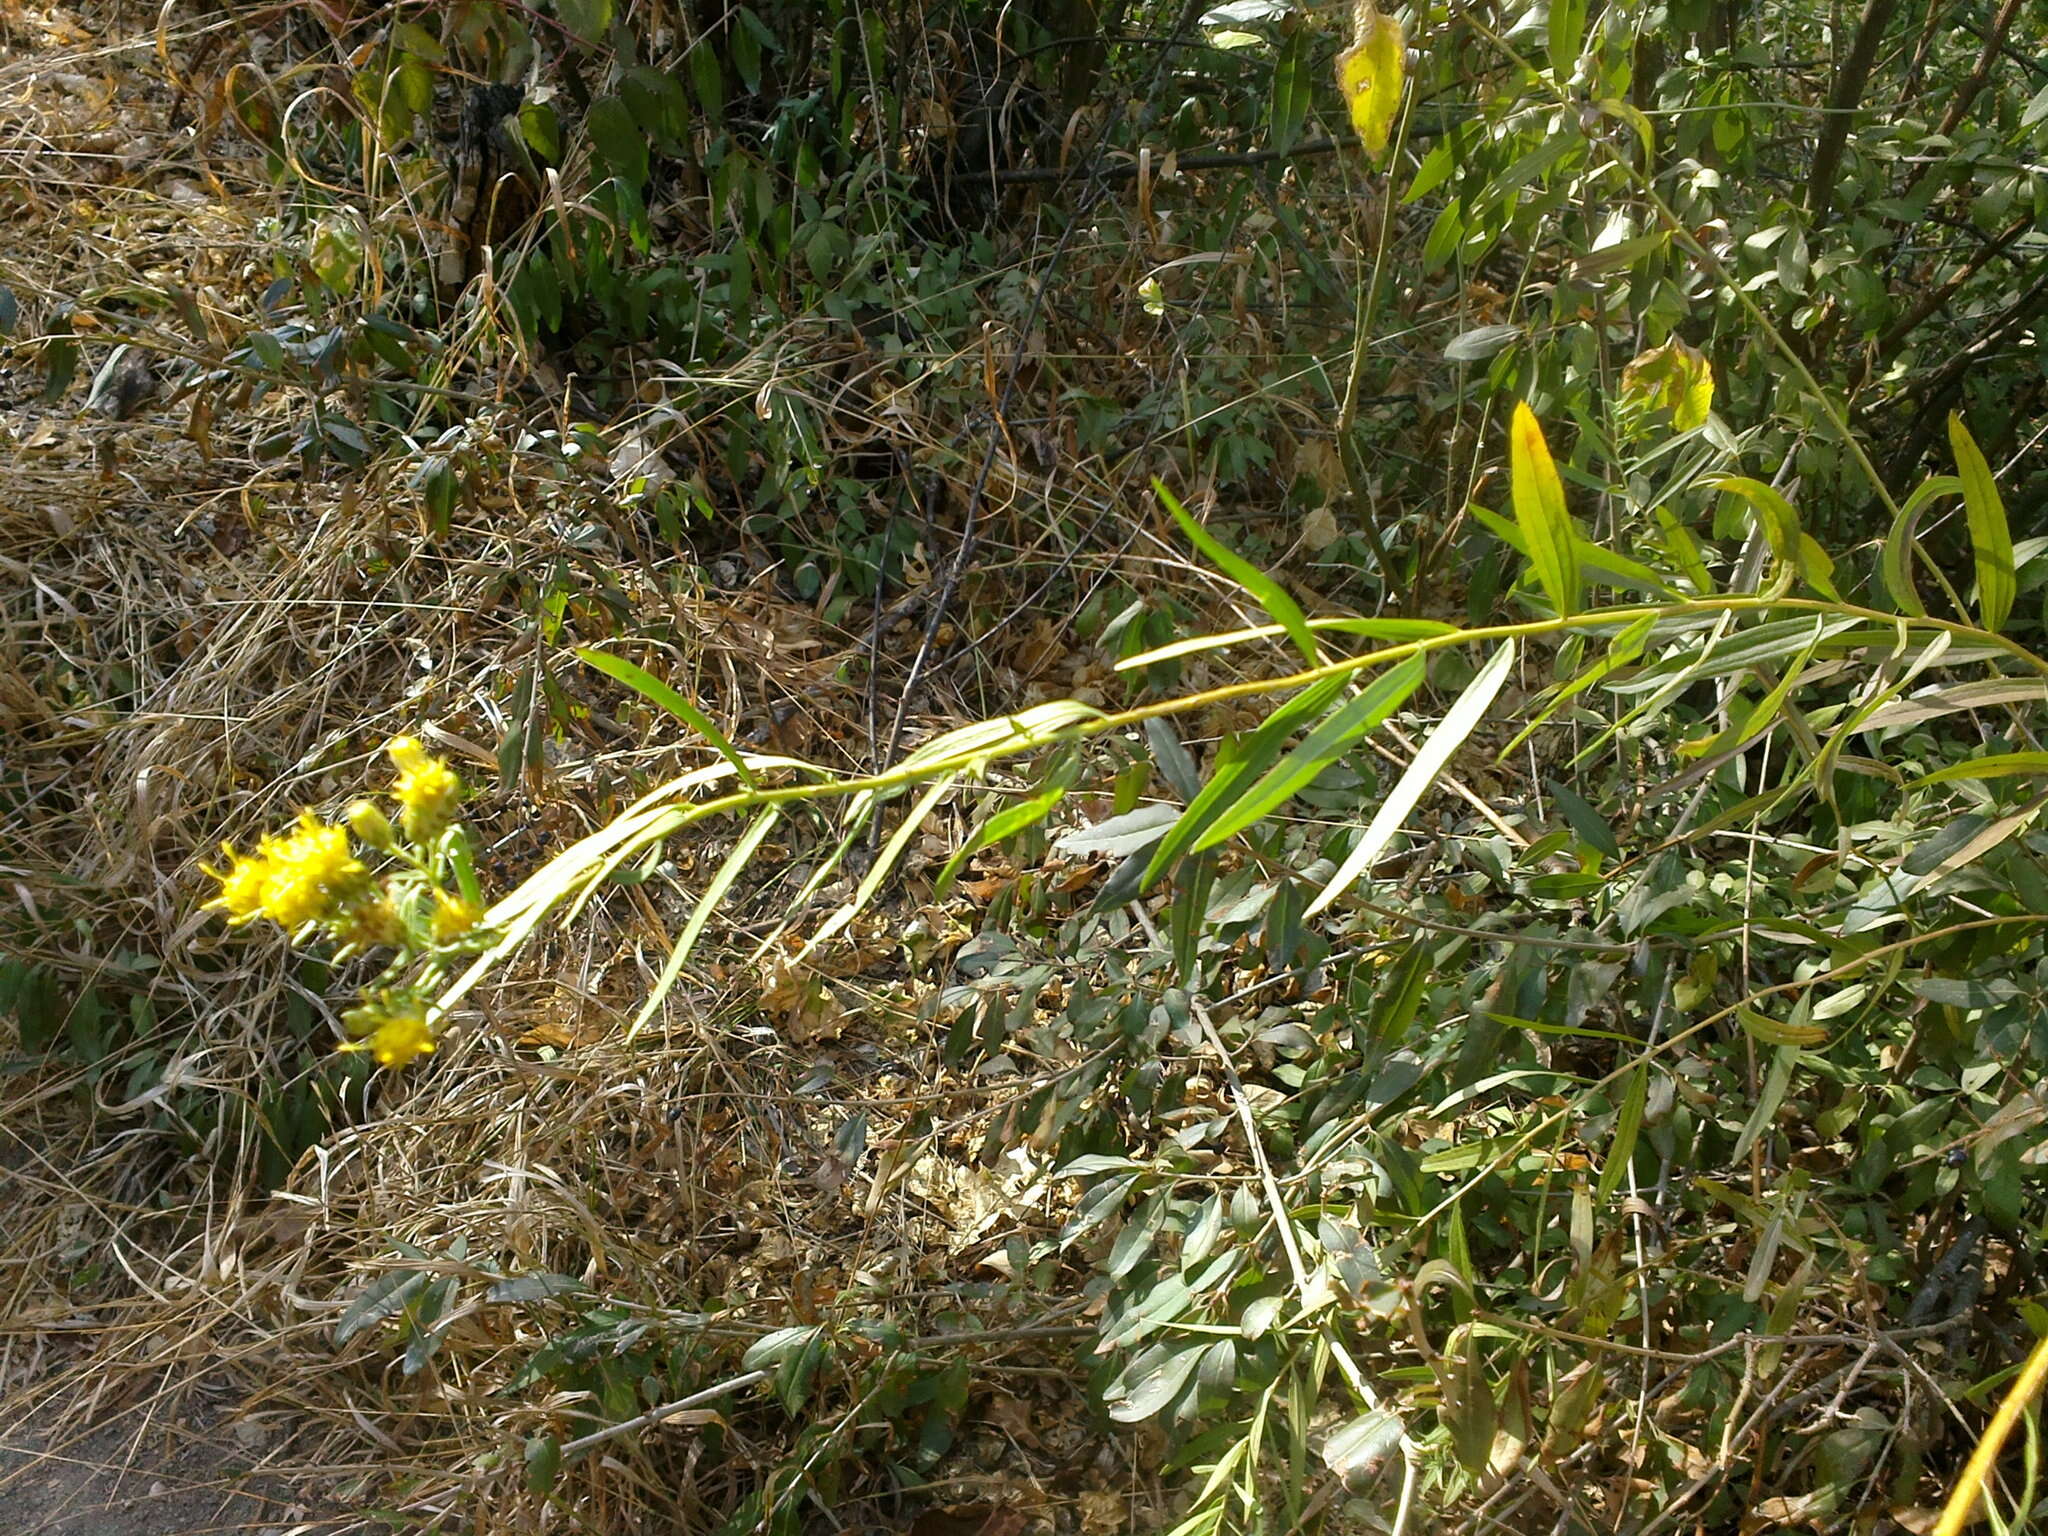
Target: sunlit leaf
2000,765
1322,747
1253,756
1369,74
1358,1450
1445,740
655,691
1896,562
1545,525
1475,346
1675,378
733,866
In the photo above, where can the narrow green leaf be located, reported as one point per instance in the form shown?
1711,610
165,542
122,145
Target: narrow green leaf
1540,515
1567,29
655,691
1176,764
1357,1451
1896,563
1154,1379
1257,754
885,864
1793,549
1766,713
1627,1125
774,1348
1264,590
1768,1102
1289,107
2001,765
1589,825
1388,631
1990,537
1684,551
1622,651
1450,734
1817,568
1139,1233
1619,570
1323,746
1783,1313
1394,1008
1004,824
386,1296
1466,1407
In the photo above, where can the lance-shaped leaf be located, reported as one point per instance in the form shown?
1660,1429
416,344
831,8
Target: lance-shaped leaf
1546,527
655,691
1990,537
1999,765
734,865
1369,74
1792,547
1896,563
1464,715
1323,746
1263,588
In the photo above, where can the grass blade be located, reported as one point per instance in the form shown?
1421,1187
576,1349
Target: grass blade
714,893
1006,823
884,865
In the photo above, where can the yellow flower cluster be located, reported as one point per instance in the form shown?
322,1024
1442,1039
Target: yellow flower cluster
294,880
427,790
310,876
392,1028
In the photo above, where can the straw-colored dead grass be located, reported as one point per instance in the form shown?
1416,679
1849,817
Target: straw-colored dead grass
193,644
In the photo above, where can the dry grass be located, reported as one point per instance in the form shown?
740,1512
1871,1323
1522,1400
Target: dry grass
193,643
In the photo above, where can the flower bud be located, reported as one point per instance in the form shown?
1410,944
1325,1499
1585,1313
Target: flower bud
372,827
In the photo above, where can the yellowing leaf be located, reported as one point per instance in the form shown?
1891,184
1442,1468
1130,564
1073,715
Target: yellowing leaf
1675,378
1540,514
1369,74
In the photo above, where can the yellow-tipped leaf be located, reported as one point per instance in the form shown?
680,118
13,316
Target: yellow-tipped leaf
1540,513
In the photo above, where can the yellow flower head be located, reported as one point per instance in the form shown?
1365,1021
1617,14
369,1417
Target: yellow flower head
427,790
241,884
395,1032
308,875
453,916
